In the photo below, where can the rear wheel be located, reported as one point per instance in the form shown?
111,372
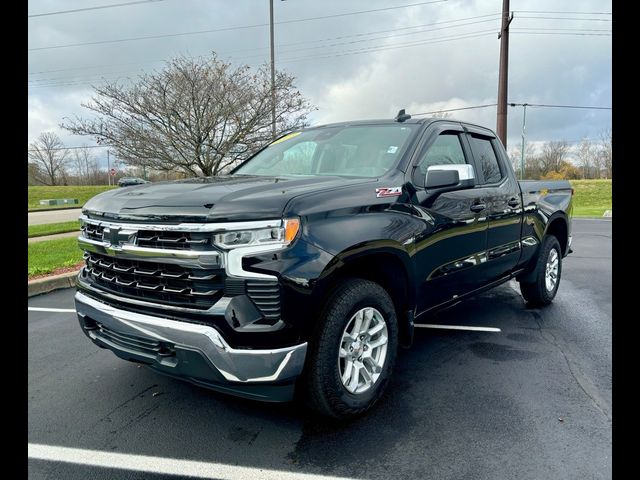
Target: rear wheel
353,350
543,288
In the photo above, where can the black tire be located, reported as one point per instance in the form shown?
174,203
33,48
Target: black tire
323,388
536,292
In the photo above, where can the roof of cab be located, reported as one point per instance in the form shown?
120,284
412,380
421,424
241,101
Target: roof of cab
390,121
379,121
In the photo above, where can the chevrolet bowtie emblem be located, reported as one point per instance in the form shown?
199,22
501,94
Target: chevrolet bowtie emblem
115,236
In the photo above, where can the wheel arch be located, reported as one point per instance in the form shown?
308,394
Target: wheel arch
390,267
558,226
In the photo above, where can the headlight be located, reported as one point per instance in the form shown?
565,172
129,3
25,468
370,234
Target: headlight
276,236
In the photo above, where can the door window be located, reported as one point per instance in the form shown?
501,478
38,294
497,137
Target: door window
486,158
446,150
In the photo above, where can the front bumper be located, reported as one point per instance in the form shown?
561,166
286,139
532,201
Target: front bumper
193,352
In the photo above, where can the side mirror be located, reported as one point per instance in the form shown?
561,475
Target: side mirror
445,178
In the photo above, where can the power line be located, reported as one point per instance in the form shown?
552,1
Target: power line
546,105
341,37
511,104
55,81
225,29
72,148
360,34
455,109
564,29
100,7
567,33
394,47
373,48
91,67
90,76
569,18
326,46
562,13
351,42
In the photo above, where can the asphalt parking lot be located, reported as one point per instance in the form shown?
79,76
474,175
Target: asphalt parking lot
530,402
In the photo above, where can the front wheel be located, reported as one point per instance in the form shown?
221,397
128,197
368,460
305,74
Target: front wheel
543,288
353,350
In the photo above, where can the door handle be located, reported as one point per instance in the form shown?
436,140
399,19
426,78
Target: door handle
478,207
513,202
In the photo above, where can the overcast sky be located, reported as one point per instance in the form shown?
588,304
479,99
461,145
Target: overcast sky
368,65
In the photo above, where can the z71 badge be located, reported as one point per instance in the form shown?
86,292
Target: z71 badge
388,192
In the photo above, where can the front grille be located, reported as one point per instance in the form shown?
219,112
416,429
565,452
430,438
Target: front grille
175,240
171,279
92,232
164,283
266,296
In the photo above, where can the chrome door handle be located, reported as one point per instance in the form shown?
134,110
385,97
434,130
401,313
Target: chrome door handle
478,207
513,202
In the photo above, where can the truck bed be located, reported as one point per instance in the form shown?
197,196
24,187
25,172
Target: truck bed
548,195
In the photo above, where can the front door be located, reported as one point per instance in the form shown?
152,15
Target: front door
453,242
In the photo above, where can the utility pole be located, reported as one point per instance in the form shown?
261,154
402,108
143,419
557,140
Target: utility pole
503,74
108,167
273,74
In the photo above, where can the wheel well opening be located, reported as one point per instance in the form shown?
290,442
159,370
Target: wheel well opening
386,270
558,228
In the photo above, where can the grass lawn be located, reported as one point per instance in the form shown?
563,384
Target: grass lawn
46,257
592,197
82,193
52,228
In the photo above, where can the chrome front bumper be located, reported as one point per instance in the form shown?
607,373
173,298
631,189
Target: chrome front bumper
234,366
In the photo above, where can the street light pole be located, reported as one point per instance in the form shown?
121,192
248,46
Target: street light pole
524,126
524,129
273,74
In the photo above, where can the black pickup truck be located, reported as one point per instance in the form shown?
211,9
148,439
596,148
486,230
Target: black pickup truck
306,267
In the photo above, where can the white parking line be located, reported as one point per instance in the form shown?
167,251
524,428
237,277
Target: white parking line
162,465
457,327
38,309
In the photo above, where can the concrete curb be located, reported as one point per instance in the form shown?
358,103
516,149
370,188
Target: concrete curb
55,236
33,210
55,282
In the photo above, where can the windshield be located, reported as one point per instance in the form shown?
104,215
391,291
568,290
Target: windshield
358,151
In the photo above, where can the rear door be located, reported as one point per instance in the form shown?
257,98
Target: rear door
503,204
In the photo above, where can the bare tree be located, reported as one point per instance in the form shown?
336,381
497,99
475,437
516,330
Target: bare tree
50,157
586,156
606,151
552,156
84,164
441,115
530,160
34,175
199,116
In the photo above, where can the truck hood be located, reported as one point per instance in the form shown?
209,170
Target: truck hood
222,198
